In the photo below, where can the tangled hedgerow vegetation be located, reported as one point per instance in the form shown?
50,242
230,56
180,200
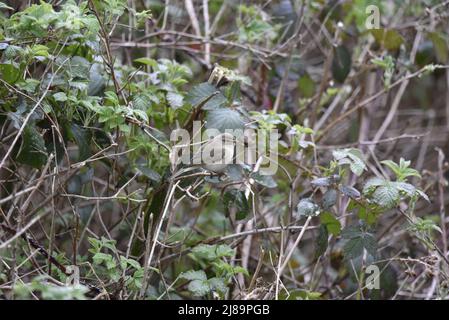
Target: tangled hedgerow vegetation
94,202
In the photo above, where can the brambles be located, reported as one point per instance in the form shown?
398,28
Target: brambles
159,153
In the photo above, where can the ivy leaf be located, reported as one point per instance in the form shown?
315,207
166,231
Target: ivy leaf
32,150
341,64
215,102
236,199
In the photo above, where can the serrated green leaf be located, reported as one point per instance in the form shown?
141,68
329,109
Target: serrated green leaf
371,184
175,100
222,119
386,195
193,275
203,93
199,288
218,285
357,241
351,156
212,252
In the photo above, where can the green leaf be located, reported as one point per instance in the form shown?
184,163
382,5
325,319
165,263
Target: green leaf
9,73
441,47
78,67
306,86
307,208
175,100
193,275
349,191
60,96
141,102
389,39
341,64
321,241
218,284
322,182
82,138
371,184
212,252
32,149
351,156
39,50
386,195
222,119
264,180
357,241
207,96
329,199
147,61
237,199
332,224
199,288
401,170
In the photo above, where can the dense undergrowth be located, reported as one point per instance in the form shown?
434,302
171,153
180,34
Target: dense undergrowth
94,204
